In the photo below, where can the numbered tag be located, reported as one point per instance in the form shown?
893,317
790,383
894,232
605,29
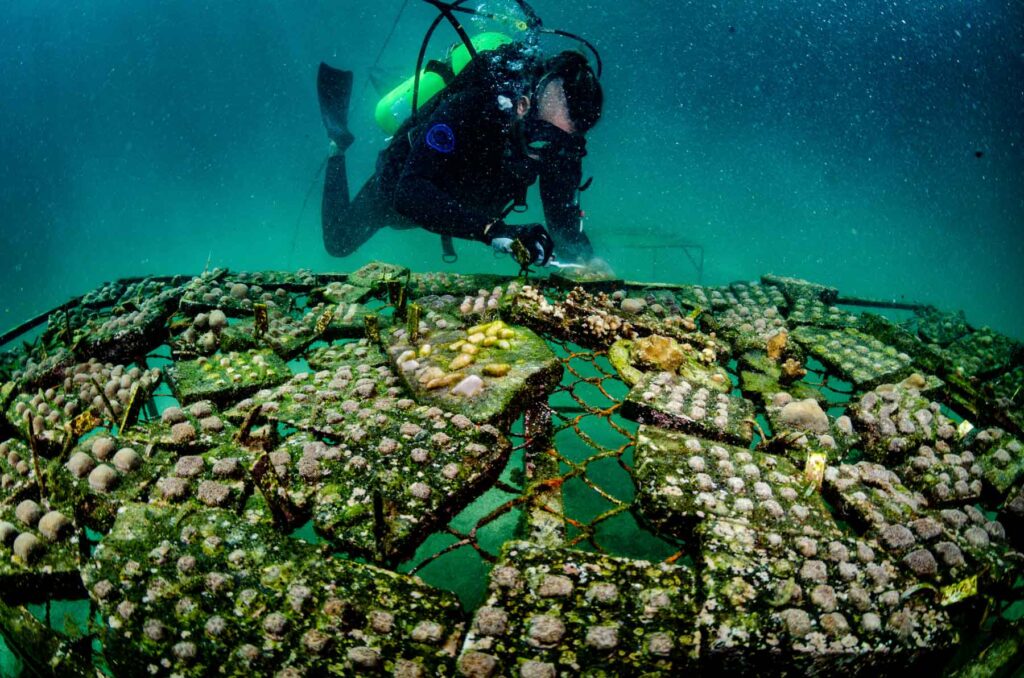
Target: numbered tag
372,326
413,323
6,394
964,428
261,319
962,590
132,411
324,320
814,469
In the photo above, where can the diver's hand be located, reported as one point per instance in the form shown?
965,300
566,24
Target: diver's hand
534,237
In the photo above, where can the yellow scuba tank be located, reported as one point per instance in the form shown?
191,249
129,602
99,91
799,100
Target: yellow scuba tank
396,105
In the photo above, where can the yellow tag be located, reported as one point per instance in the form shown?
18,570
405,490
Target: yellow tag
814,469
6,394
962,590
413,322
372,328
83,423
324,320
964,428
129,412
259,312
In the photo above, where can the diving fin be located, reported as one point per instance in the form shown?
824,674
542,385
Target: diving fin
334,88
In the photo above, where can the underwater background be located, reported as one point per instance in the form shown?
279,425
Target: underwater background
873,146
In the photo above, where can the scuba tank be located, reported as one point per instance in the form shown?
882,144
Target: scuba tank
396,105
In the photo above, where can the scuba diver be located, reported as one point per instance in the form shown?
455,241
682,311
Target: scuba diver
463,161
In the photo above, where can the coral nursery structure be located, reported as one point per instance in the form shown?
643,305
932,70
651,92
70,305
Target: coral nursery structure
394,473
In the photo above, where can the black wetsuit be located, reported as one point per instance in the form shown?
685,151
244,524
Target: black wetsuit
459,164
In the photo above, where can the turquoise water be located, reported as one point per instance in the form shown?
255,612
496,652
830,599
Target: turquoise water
827,140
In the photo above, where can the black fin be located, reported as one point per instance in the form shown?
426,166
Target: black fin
334,88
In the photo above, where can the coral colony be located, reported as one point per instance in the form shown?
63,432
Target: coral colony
845,491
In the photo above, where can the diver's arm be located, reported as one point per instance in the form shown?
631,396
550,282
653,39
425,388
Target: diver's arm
559,181
418,195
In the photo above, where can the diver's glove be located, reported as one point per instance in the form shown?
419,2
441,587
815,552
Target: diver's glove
533,237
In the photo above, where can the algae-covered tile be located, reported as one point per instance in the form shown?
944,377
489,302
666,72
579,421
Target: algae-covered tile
17,472
393,470
809,604
985,548
941,547
197,593
1009,388
1011,515
751,316
32,371
488,372
1000,456
134,327
337,354
340,292
856,357
187,430
104,391
801,427
102,473
805,311
711,298
217,478
683,480
981,352
755,295
872,496
567,612
376,272
943,474
287,336
927,357
669,401
40,549
332,402
761,379
894,419
795,289
237,294
457,284
1004,400
225,378
941,327
341,320
383,495
472,307
106,294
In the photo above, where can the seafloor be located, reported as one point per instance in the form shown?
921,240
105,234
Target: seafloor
406,474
